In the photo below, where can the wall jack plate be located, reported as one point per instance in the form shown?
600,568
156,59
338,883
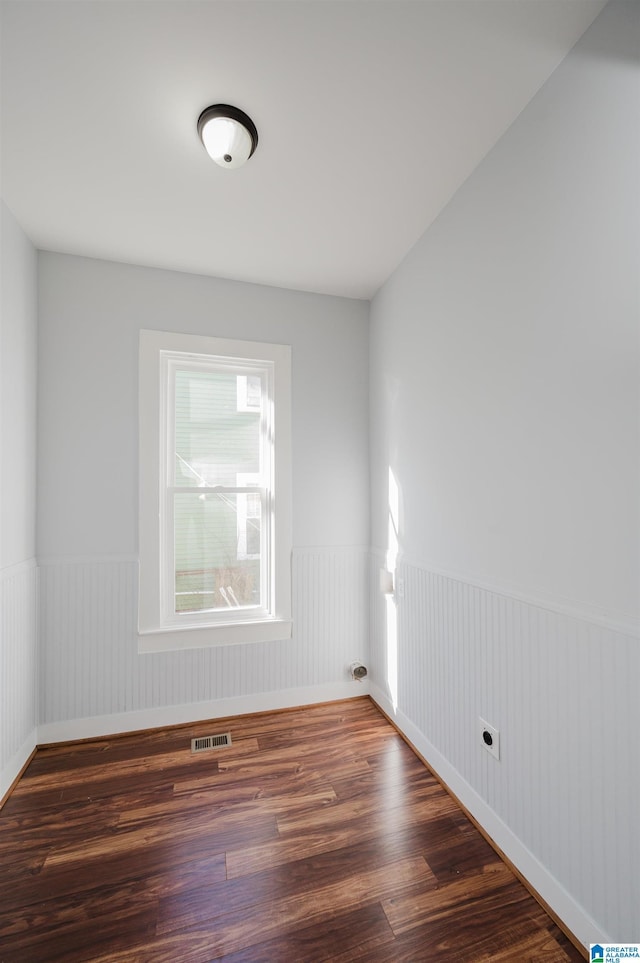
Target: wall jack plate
490,738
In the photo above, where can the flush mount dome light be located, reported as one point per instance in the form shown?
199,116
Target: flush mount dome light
228,134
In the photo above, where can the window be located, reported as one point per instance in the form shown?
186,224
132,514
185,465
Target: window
215,500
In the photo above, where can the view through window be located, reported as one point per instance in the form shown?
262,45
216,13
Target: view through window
219,496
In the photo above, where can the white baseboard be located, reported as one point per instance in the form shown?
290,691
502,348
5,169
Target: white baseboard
98,726
573,916
16,764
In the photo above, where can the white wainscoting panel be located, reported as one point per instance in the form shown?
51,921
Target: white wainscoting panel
18,669
91,666
563,693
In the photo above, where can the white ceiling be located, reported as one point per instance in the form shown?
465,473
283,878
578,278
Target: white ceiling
370,116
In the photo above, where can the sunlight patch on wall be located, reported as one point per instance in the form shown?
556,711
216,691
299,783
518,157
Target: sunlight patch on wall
390,599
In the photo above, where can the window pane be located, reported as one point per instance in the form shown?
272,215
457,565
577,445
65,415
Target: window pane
213,567
249,522
249,392
217,436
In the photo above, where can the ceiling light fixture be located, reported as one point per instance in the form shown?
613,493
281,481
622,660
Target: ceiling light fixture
229,136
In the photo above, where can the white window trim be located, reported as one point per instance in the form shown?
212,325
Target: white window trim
153,635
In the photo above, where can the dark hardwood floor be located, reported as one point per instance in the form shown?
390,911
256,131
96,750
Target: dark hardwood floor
318,835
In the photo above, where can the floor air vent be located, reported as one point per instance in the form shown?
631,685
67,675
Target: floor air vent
204,743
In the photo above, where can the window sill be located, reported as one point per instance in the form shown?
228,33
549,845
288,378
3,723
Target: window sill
231,633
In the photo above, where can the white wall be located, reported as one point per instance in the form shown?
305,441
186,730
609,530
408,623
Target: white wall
18,361
90,315
504,398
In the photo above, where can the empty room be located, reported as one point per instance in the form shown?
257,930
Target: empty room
320,480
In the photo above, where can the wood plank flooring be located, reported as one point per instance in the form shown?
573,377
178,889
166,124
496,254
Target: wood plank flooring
318,835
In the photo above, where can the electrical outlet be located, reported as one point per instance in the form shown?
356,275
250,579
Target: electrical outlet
490,738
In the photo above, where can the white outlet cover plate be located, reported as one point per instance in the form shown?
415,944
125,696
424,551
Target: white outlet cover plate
494,748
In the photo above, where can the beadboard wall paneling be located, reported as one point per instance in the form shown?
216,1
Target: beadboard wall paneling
563,693
91,666
18,669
